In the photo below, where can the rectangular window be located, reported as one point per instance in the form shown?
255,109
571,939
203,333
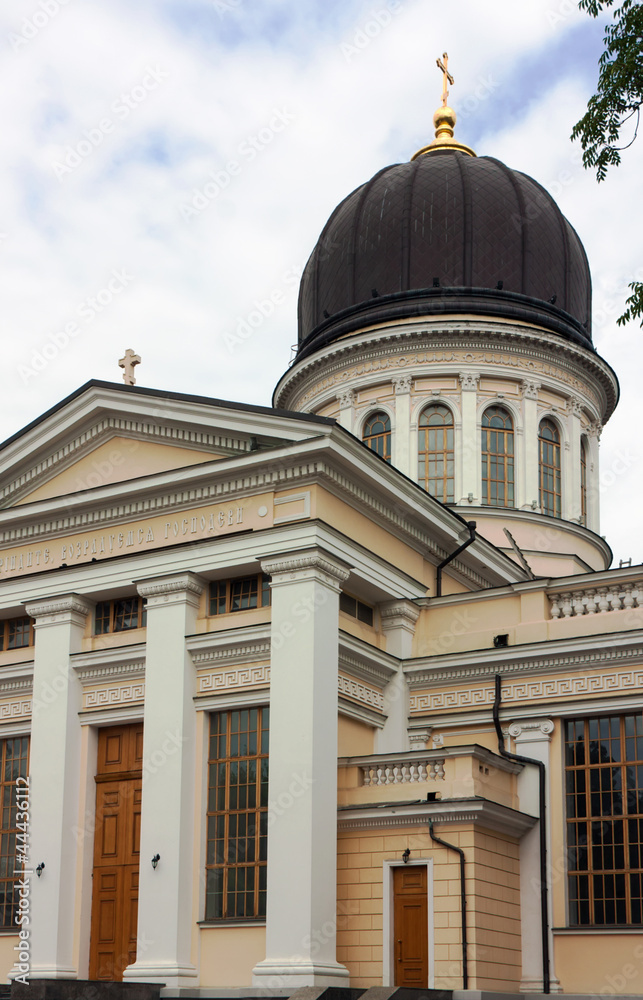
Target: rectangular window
120,615
242,594
16,633
604,796
14,763
355,608
237,839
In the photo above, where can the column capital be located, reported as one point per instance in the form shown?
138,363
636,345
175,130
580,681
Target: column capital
171,589
346,397
399,614
529,389
531,730
306,564
575,405
469,381
402,384
65,608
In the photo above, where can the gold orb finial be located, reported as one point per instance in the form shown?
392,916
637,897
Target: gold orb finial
444,118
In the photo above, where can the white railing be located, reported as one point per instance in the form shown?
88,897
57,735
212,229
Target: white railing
569,604
401,772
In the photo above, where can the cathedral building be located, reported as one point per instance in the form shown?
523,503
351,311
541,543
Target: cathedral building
340,692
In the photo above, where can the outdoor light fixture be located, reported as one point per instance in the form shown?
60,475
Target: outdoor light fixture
406,855
155,861
40,869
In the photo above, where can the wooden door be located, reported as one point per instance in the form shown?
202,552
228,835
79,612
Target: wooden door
411,929
116,852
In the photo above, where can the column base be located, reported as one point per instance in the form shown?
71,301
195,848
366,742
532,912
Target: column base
535,985
167,974
44,972
275,973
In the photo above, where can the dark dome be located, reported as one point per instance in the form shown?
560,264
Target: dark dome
445,233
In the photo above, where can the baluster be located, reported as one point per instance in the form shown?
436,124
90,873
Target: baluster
603,603
615,600
591,602
366,771
628,597
555,605
578,607
567,605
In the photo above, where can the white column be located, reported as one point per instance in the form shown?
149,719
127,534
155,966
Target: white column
165,914
402,434
571,499
593,478
301,917
398,624
346,401
54,764
530,499
468,451
532,738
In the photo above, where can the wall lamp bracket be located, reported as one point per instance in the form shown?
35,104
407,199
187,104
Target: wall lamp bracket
40,869
155,861
406,855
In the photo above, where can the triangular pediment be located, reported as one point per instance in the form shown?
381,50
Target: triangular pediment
106,434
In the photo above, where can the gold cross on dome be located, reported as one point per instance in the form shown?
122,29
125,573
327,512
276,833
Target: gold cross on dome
128,363
446,77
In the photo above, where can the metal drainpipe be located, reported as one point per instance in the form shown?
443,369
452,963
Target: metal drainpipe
471,525
463,903
544,916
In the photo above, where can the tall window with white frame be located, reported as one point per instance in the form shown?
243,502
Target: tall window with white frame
237,816
604,799
14,764
549,468
435,452
497,458
377,434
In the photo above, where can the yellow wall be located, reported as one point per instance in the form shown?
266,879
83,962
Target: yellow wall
493,900
116,461
616,965
355,739
229,954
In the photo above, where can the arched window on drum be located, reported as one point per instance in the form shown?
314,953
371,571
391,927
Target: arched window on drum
377,434
498,467
435,452
549,468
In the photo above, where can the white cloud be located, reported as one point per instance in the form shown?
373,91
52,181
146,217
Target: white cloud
227,71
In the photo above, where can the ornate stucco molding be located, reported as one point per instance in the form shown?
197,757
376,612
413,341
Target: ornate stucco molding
55,610
167,590
308,564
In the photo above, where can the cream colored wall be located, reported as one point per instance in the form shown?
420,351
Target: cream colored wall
117,461
616,965
229,954
354,739
8,956
374,538
493,900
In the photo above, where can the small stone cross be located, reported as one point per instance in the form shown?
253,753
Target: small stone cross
128,363
446,77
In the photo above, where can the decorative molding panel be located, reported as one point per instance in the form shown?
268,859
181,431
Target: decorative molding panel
358,691
124,694
228,680
538,689
18,708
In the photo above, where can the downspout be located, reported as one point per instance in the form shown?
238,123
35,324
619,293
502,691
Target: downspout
471,525
463,900
544,917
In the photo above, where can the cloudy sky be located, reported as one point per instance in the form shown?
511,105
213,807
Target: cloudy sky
167,164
